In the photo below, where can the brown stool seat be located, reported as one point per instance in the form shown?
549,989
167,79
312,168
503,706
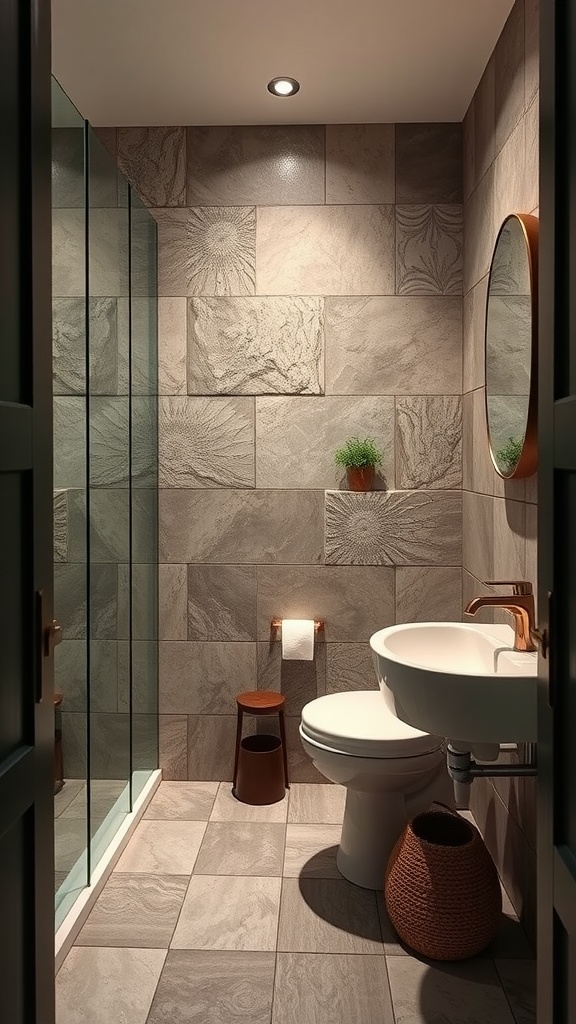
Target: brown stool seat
261,702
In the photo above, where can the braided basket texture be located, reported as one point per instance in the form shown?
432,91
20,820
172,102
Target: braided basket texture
442,891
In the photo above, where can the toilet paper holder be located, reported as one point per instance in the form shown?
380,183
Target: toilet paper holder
318,624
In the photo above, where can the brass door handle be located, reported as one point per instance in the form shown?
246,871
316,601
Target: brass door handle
52,637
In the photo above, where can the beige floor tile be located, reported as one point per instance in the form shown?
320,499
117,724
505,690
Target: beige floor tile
188,801
311,851
220,912
330,989
241,848
312,804
469,993
518,979
325,915
165,847
135,910
228,808
101,986
103,796
68,793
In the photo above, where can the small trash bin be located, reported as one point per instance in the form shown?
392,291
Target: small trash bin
260,778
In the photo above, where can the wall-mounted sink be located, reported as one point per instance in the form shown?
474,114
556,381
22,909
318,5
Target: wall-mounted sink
463,681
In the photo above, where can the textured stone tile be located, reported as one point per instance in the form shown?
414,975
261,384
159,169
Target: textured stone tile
531,513
468,152
311,851
228,808
173,588
241,526
68,253
352,602
241,848
60,499
509,76
513,182
428,595
104,795
74,743
479,217
68,346
198,986
255,345
206,251
172,346
394,528
484,123
107,187
300,766
388,345
423,992
518,979
360,163
163,848
204,678
325,915
473,319
154,161
477,535
532,50
109,524
311,804
325,250
296,439
299,681
420,147
206,442
429,247
70,668
67,167
110,745
349,667
135,909
331,989
104,346
211,740
173,746
429,440
255,165
108,256
509,546
109,442
144,441
182,801
222,912
532,140
69,842
69,442
107,984
70,599
67,795
221,602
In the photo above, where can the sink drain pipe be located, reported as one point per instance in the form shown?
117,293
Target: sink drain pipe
464,769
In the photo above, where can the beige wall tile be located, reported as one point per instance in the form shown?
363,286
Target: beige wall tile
211,740
484,123
154,161
532,51
420,146
509,545
509,76
206,442
299,681
478,533
473,319
360,163
532,125
480,231
513,181
173,740
349,667
468,153
172,600
221,602
203,678
428,594
429,442
532,547
172,346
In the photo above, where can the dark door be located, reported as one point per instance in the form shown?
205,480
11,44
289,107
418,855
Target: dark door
557,511
26,686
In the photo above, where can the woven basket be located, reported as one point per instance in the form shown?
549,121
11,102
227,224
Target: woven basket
442,892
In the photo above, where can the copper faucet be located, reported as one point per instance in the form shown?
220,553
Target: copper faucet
521,606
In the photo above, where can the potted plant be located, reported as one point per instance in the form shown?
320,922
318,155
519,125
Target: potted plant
360,458
508,456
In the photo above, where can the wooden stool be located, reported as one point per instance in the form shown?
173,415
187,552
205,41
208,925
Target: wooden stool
260,702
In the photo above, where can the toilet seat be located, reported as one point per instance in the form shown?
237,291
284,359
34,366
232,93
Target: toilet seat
358,722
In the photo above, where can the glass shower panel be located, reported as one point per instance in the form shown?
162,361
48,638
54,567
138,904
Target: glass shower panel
143,360
70,479
108,497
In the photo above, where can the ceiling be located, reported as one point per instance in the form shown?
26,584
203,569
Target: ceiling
159,62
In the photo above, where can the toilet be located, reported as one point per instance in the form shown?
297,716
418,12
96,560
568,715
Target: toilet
391,772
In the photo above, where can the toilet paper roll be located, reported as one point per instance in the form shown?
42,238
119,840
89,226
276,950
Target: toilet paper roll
298,639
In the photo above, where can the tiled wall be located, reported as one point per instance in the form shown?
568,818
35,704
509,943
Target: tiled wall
499,540
310,285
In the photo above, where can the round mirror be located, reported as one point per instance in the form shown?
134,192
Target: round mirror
511,347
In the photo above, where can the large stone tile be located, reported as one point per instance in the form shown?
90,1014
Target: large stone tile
154,161
70,839
532,50
241,848
206,442
163,848
473,320
394,528
331,989
326,915
172,345
298,681
206,251
532,141
316,804
531,513
420,147
509,76
70,668
211,740
68,167
182,801
60,506
255,165
388,345
109,524
173,746
518,979
173,600
360,163
429,442
69,442
231,912
477,535
300,766
214,987
135,910
108,252
481,229
428,595
350,667
468,152
221,602
513,180
228,808
68,346
256,346
352,602
469,992
109,442
296,438
107,984
104,795
241,526
484,122
311,851
325,250
509,539
429,250
68,252
110,745
203,678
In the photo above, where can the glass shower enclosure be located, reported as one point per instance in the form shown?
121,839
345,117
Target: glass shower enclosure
105,497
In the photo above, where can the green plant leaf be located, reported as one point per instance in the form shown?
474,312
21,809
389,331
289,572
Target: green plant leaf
358,452
509,454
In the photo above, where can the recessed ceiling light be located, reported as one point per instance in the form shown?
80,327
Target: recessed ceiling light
283,86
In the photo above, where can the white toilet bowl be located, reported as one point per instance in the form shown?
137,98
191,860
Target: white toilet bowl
391,772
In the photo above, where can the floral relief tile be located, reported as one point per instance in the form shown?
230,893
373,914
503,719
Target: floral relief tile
255,346
429,246
394,528
68,349
360,163
154,161
172,346
60,526
206,442
206,251
429,439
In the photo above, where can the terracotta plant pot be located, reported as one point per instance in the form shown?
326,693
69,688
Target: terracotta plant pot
360,478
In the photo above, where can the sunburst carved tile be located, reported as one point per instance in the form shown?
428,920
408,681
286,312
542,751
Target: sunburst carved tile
429,250
206,442
207,251
394,528
60,526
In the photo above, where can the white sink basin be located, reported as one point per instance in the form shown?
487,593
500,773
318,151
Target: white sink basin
463,681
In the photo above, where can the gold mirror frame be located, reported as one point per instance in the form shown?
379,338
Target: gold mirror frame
528,461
